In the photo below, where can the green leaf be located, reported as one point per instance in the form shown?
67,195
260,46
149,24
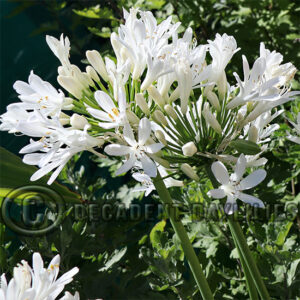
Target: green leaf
246,147
14,174
292,271
114,258
105,32
283,234
154,238
95,12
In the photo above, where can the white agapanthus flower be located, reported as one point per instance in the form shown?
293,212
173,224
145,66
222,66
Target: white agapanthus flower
221,49
260,130
61,49
56,146
10,119
140,36
137,151
266,83
70,77
36,283
112,115
233,186
295,139
39,94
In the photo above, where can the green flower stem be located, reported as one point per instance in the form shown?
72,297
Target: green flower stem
237,232
184,239
250,283
243,248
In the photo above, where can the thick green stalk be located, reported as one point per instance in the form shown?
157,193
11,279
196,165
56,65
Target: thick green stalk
184,239
250,283
247,256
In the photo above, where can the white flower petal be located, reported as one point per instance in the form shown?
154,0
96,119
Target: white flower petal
144,131
141,177
44,170
117,150
127,165
216,193
220,172
32,147
230,206
128,135
99,114
251,200
23,88
154,148
108,125
149,166
239,168
104,101
33,158
37,263
252,180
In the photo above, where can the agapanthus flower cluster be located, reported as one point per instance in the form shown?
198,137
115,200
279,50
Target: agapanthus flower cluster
164,104
37,282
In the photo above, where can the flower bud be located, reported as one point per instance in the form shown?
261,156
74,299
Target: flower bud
239,118
188,171
92,73
141,102
214,100
95,59
170,111
154,93
253,134
222,85
160,118
161,137
68,103
132,117
64,119
78,121
175,95
69,84
189,149
81,79
211,119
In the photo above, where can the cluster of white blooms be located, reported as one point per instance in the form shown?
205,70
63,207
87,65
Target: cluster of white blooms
37,283
164,104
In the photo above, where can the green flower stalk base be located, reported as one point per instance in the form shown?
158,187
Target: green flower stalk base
184,239
246,256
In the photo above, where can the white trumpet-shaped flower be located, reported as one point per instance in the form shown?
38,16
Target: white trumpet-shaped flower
56,145
137,151
267,83
112,115
232,186
10,119
259,130
36,283
60,48
39,94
